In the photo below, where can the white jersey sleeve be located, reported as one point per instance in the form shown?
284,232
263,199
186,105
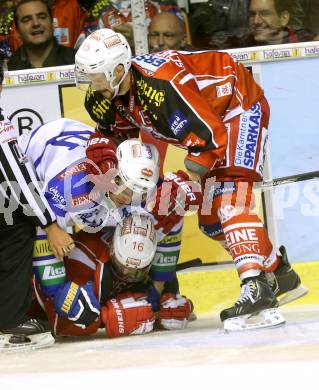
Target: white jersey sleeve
57,151
18,180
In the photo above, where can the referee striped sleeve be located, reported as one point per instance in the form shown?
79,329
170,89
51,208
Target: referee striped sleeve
16,169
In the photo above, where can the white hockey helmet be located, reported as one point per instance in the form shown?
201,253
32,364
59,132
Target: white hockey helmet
101,52
133,248
138,165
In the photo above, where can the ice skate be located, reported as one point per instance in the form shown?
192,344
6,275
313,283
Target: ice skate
255,308
285,282
32,334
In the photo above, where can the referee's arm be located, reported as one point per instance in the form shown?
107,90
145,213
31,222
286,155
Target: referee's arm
24,188
23,183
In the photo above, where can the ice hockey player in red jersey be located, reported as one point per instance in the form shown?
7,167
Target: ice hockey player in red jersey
108,285
210,105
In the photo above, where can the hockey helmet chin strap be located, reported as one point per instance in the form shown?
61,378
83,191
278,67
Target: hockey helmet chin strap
116,88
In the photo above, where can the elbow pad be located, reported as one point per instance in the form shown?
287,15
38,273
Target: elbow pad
201,163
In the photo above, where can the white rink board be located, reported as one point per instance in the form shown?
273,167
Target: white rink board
201,354
32,105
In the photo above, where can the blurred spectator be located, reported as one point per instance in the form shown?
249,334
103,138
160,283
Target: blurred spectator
172,7
166,31
269,22
306,15
116,15
219,24
68,19
34,22
6,19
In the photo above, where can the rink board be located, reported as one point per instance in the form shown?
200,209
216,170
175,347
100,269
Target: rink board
215,289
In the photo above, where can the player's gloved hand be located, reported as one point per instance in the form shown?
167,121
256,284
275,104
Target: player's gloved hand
127,314
102,151
101,155
77,303
175,311
174,197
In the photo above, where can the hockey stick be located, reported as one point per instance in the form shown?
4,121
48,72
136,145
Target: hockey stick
198,263
189,263
288,180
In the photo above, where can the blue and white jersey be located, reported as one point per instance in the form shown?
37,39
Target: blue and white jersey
57,151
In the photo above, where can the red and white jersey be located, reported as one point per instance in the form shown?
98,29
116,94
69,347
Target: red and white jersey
184,98
90,260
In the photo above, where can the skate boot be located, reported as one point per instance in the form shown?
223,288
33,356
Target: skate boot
255,308
285,282
31,334
29,327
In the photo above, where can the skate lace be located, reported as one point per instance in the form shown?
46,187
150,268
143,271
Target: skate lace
246,293
37,324
34,322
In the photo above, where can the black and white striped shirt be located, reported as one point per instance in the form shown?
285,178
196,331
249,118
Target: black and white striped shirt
18,182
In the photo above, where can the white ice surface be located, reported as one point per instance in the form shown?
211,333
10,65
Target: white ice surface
199,357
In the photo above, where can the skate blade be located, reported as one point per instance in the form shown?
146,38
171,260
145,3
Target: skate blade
20,343
264,319
292,295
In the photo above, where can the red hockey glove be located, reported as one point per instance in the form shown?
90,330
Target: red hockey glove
174,311
167,222
102,151
174,197
101,155
128,314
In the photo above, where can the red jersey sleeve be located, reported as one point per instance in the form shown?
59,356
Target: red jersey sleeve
90,250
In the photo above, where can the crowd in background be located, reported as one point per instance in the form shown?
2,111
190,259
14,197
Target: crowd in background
39,33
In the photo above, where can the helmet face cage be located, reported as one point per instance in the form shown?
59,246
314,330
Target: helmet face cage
133,248
138,165
130,275
83,81
101,52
